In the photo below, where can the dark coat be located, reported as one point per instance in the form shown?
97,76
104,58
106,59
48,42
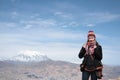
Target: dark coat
92,61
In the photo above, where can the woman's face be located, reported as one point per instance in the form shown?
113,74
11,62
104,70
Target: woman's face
91,38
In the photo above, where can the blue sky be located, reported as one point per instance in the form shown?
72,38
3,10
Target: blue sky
58,28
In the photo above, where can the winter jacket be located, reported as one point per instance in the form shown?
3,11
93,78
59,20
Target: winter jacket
92,61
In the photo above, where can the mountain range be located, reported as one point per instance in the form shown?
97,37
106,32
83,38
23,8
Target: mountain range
31,65
28,56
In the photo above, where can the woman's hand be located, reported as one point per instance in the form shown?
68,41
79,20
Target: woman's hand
84,45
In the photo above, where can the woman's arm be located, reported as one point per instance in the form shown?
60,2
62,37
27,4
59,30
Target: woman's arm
98,52
82,52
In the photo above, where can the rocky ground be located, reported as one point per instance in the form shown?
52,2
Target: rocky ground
48,70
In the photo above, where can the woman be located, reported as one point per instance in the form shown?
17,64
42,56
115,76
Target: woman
92,53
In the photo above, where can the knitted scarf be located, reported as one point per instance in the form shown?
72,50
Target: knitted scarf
90,46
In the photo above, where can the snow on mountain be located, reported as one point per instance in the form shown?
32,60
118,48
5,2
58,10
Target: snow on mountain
29,55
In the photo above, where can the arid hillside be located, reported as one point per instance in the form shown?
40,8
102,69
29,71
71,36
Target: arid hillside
48,70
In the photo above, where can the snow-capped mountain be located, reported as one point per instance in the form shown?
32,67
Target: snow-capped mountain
28,55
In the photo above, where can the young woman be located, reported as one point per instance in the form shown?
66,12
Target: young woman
91,51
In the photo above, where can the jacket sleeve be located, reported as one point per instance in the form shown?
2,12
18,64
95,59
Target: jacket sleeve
98,52
82,52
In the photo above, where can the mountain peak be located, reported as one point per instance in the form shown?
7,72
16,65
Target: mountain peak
28,55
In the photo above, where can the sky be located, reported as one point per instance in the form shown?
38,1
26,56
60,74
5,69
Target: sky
59,28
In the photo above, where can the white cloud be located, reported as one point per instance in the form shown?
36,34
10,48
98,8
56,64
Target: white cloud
34,15
64,15
63,35
8,24
90,25
39,22
100,36
101,17
48,23
14,14
74,24
28,26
